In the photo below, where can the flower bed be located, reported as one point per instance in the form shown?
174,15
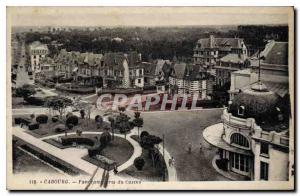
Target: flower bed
81,140
126,91
45,83
76,89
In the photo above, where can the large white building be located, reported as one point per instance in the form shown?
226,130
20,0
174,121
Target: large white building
37,52
273,70
253,139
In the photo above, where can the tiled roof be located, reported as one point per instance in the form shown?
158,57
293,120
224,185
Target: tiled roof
221,43
233,58
275,53
179,70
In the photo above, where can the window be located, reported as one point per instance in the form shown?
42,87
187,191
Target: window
264,148
241,110
141,71
239,161
240,140
139,80
264,171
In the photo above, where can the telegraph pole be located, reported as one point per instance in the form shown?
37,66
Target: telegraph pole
163,144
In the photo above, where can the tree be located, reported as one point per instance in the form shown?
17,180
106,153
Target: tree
82,113
25,91
73,120
122,123
144,133
148,142
139,163
99,121
59,104
105,138
138,121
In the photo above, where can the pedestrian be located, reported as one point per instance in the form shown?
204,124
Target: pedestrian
200,147
115,169
170,162
173,161
190,148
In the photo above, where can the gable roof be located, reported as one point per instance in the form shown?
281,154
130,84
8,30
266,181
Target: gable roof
179,70
275,53
220,42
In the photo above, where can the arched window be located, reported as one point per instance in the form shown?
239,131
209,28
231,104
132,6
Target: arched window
239,139
241,110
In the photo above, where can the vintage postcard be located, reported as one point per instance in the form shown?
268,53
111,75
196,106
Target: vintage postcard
150,98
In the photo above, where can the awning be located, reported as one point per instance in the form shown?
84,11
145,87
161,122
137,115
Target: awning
213,135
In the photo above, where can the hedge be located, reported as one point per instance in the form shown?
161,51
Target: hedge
35,101
54,119
69,140
42,119
19,120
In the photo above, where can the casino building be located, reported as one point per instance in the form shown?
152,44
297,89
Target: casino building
253,138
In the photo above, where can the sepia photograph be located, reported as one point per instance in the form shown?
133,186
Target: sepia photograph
150,98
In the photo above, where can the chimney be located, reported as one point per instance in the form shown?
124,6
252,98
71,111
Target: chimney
211,41
140,57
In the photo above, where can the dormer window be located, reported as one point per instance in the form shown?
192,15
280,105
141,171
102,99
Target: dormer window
241,110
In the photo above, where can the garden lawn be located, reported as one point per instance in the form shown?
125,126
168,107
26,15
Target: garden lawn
119,150
48,129
57,144
27,163
148,173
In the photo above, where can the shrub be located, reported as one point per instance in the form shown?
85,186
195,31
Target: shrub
33,126
54,119
60,128
42,119
18,121
69,114
70,126
144,133
94,150
139,163
35,101
32,116
72,120
98,119
105,138
78,132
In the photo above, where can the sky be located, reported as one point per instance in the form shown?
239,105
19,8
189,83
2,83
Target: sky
146,16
